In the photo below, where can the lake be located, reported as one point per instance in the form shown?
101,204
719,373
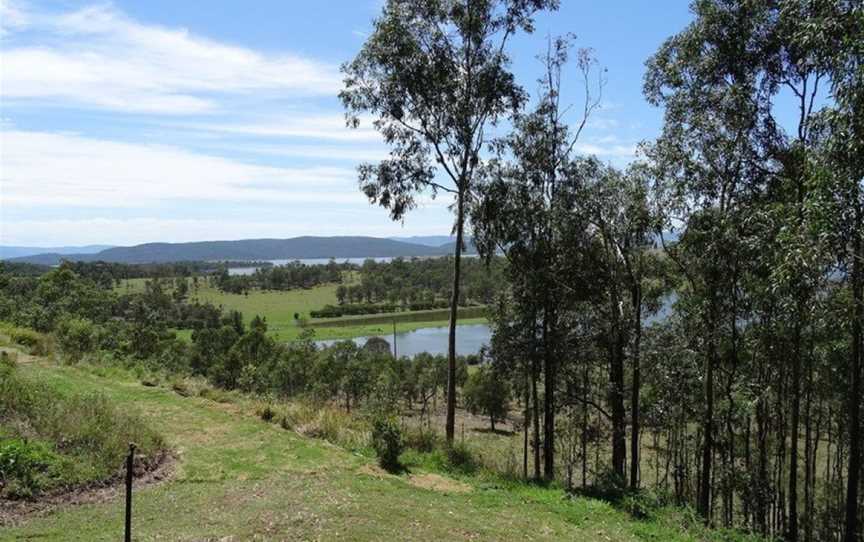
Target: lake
325,261
306,261
469,339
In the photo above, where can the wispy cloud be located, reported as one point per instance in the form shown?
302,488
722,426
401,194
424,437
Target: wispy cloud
324,126
53,169
98,57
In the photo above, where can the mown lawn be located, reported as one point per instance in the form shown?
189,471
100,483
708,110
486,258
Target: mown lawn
239,478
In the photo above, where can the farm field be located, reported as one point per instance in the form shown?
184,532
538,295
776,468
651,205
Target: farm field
279,308
239,477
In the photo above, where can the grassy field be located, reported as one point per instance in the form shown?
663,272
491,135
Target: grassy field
239,478
279,308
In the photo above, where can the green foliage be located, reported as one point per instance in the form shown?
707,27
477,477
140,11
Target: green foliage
267,413
387,441
70,438
37,343
487,392
421,439
460,458
76,337
25,467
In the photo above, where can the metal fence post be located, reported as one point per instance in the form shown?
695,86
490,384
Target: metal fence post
129,465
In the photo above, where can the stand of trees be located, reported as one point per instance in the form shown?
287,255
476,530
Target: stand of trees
423,282
750,385
289,276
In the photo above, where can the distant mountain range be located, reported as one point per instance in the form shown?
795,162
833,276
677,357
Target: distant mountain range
250,249
428,240
7,252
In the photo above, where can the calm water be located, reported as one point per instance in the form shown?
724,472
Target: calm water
469,339
325,261
306,261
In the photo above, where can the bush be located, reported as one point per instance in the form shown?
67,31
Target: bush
22,465
422,440
387,442
460,457
640,505
76,337
610,486
37,343
286,423
266,413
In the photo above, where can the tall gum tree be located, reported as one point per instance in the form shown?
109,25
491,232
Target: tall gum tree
434,75
526,188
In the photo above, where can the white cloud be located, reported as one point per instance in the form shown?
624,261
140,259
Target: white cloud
318,152
305,126
604,150
52,169
98,57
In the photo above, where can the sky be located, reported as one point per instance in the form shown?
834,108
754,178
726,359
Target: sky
129,122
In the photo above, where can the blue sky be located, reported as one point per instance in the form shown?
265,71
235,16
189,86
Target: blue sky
128,122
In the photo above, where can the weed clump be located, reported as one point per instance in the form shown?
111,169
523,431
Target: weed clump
422,440
460,458
266,413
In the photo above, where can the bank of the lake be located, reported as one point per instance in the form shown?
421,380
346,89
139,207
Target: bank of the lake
470,338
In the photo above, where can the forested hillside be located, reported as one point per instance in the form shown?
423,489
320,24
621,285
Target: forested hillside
248,249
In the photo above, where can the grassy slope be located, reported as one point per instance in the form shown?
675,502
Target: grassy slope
238,476
279,308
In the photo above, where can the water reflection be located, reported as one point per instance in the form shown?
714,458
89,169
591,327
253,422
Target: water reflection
469,339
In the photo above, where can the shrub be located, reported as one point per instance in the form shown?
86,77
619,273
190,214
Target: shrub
285,422
266,413
640,505
422,440
387,442
37,343
180,387
610,486
22,464
460,457
76,337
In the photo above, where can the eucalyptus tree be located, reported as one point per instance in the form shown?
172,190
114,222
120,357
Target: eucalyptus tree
836,33
621,221
527,189
730,154
434,75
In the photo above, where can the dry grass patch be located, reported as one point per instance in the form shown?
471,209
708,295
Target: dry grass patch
436,482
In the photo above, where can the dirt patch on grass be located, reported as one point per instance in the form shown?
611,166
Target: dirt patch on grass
153,472
370,469
17,355
436,482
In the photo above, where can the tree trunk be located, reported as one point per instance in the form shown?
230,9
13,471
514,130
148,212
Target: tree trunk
792,532
616,379
584,440
454,306
536,414
635,385
708,421
855,390
525,422
548,396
